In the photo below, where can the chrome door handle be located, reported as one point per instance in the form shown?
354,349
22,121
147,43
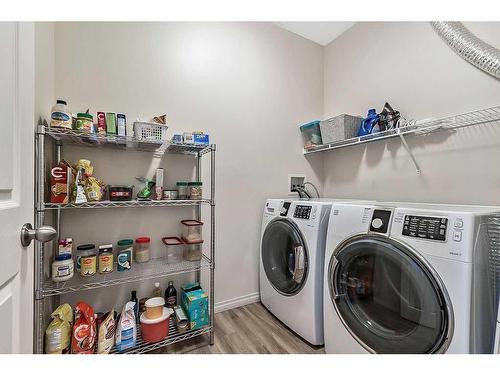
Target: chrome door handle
43,234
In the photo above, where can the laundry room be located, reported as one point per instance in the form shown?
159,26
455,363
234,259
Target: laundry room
273,184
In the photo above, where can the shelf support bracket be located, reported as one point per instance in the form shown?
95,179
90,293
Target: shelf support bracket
403,140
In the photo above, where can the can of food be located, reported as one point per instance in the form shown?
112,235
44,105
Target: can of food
105,258
124,258
170,194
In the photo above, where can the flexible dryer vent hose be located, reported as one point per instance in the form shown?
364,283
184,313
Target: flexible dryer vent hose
469,46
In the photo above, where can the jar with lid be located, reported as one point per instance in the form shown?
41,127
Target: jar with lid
193,250
182,190
62,268
86,252
106,258
175,249
142,249
195,190
124,257
192,230
60,116
85,123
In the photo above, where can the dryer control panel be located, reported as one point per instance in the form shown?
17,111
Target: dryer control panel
302,212
427,227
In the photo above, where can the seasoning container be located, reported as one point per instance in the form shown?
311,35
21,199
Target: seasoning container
62,268
124,257
182,190
106,258
195,190
170,194
192,230
175,249
85,251
85,123
142,249
193,250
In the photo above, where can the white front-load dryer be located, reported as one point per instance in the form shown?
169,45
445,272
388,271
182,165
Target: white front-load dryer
291,264
407,278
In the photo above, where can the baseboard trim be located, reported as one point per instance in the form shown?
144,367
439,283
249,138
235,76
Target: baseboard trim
236,302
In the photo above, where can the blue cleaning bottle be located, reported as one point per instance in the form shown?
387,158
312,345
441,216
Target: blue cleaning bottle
368,125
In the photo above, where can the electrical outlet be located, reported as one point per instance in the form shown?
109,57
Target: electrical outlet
295,180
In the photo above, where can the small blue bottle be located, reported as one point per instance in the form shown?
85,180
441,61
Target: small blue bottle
369,123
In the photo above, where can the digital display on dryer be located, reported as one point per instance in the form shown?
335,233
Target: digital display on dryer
426,227
302,212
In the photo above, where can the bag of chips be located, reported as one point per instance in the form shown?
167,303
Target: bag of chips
58,333
84,330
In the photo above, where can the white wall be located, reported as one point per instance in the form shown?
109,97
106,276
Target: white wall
409,66
249,85
44,69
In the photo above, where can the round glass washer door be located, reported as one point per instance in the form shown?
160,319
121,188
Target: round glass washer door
388,297
284,256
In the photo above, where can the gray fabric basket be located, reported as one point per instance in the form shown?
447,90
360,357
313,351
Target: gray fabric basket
339,128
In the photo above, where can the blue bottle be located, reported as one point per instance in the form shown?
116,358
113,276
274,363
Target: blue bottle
368,125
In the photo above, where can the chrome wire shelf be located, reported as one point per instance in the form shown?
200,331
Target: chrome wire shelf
173,337
79,138
140,271
134,203
478,117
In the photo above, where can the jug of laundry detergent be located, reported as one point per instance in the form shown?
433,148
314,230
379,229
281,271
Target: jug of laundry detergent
370,124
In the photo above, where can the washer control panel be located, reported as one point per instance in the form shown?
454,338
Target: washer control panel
426,227
302,212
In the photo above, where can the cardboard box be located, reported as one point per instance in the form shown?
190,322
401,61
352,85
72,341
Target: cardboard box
111,123
200,139
61,179
194,301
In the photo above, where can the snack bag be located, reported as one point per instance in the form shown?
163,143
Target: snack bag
93,189
126,330
86,166
84,330
58,333
106,332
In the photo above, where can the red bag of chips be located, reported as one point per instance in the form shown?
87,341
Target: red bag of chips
84,330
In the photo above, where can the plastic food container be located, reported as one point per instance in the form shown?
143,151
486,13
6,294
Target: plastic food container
83,251
62,268
154,307
120,192
193,250
175,249
154,330
170,194
124,257
105,258
182,190
142,249
192,230
195,190
311,134
85,122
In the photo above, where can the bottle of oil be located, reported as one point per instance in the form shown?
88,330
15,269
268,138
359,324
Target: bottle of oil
170,295
157,290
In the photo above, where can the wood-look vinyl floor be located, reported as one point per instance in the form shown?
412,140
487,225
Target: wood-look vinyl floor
245,330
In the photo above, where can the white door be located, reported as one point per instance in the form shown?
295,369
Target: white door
16,185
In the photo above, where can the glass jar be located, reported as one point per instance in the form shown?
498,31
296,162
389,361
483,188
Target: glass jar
124,257
193,250
88,254
192,230
182,190
175,248
195,190
142,249
106,258
85,123
62,268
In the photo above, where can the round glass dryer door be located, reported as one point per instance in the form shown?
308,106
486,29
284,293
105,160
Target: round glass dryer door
388,298
284,256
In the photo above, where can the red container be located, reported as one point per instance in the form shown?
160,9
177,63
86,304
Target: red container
154,330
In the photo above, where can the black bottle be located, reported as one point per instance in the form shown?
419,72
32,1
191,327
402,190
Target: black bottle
133,298
170,295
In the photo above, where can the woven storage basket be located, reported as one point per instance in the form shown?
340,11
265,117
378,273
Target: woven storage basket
339,128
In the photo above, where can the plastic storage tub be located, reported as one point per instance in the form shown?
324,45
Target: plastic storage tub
339,128
311,134
175,248
154,307
193,250
141,251
192,230
154,330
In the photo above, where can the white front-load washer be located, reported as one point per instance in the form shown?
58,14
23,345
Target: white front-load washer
407,278
291,263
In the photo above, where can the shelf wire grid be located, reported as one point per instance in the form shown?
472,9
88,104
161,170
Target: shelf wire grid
133,203
140,271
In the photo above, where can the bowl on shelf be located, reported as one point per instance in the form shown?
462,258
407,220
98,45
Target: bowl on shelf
154,330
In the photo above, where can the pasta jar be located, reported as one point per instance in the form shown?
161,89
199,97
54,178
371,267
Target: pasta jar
62,268
142,249
124,258
85,251
195,190
182,190
106,258
85,123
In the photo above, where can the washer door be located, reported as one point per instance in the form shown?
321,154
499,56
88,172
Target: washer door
284,256
388,297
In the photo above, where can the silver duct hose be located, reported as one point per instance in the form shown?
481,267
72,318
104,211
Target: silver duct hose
469,46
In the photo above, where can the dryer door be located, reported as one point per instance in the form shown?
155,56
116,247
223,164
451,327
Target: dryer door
388,297
284,256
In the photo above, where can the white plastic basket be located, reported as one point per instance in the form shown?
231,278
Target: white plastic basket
150,131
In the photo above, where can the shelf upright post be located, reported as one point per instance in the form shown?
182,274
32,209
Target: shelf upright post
198,208
57,213
212,242
38,323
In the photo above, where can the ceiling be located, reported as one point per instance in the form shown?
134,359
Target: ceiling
319,32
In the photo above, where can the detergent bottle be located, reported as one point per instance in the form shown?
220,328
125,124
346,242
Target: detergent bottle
368,125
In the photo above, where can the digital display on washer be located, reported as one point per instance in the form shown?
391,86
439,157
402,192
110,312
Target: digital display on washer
302,212
430,228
